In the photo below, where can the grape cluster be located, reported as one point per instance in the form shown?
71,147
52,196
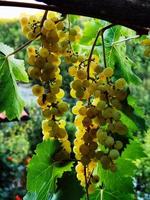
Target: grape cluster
45,70
100,132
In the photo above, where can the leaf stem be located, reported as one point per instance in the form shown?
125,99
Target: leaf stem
104,53
86,184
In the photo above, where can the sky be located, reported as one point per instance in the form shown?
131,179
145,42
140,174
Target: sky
13,12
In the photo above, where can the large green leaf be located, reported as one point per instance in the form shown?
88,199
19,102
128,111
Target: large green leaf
43,171
110,195
11,69
134,113
30,196
121,181
132,127
116,56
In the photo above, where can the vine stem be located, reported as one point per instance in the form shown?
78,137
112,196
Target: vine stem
104,53
100,32
20,48
30,41
86,184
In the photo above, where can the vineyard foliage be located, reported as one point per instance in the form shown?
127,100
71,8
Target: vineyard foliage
77,165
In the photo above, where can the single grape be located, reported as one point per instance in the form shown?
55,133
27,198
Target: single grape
118,145
108,72
114,154
120,84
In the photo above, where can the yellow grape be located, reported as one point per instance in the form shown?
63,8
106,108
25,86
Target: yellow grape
43,52
120,84
114,154
49,24
38,90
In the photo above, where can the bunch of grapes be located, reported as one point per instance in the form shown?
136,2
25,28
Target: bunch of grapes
100,132
45,70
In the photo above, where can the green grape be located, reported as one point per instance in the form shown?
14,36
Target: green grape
106,162
116,115
73,31
109,141
86,83
47,113
114,154
82,110
52,36
37,90
107,113
49,24
120,84
79,93
62,107
72,70
34,73
101,105
101,136
60,25
31,35
24,21
118,145
108,72
120,128
81,74
43,52
61,133
76,84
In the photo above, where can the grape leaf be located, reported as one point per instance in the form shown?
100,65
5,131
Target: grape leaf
121,180
110,195
11,69
116,56
43,172
132,127
131,110
30,196
133,151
